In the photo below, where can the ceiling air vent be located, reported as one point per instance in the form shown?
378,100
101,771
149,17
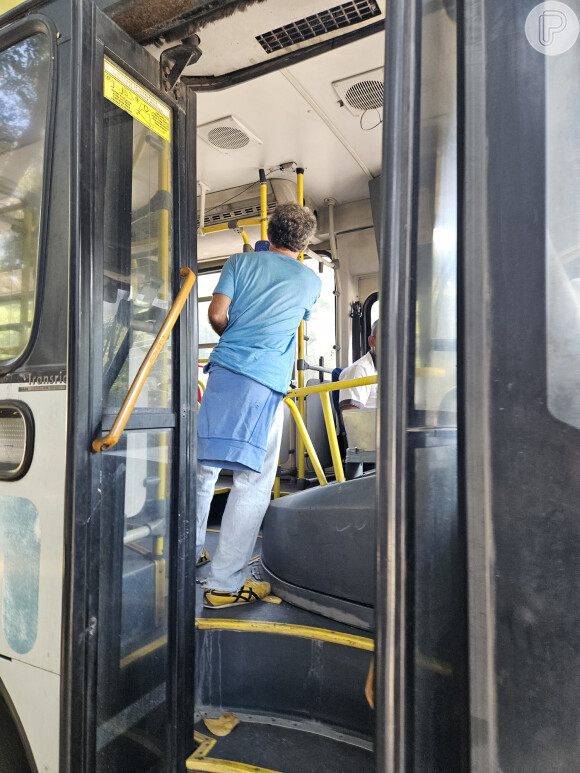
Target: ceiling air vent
336,18
227,135
363,92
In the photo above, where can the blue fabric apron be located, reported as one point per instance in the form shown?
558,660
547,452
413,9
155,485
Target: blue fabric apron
235,417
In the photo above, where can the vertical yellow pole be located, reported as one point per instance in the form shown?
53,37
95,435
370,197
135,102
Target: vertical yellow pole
263,206
301,348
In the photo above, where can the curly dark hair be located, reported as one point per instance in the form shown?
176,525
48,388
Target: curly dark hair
291,227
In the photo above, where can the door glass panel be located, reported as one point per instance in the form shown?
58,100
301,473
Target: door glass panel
133,601
563,234
25,78
436,304
138,213
439,694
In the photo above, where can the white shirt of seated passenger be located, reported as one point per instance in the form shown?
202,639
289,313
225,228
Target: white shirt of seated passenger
361,396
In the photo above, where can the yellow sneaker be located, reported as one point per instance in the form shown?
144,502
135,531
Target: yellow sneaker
204,558
251,590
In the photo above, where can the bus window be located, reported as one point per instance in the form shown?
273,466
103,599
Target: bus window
25,78
206,284
374,312
321,328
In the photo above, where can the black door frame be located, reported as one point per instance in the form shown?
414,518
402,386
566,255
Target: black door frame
93,36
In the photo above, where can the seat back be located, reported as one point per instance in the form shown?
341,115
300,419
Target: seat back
335,377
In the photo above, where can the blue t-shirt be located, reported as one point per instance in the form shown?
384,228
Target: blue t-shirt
271,293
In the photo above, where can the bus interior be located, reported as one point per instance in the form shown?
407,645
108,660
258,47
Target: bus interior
422,562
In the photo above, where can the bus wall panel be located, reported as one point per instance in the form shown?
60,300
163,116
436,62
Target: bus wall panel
35,695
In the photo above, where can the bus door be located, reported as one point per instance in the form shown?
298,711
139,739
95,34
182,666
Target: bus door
130,503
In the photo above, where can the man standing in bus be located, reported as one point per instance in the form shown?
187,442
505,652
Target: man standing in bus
257,305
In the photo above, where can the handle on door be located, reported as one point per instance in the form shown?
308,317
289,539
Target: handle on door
104,443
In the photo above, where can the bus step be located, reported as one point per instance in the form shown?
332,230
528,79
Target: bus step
267,744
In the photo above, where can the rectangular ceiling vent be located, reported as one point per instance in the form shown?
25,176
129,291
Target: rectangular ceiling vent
363,92
227,135
339,17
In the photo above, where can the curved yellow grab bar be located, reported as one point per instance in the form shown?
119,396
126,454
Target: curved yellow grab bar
303,433
323,390
103,444
332,386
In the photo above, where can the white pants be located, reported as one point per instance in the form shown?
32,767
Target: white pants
245,509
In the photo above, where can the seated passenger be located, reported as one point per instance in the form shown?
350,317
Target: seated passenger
361,396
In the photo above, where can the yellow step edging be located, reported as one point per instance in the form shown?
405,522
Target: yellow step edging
286,629
206,765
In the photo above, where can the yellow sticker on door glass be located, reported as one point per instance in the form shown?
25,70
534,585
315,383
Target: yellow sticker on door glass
137,101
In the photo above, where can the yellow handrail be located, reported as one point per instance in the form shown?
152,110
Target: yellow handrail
103,444
323,390
263,206
332,439
305,437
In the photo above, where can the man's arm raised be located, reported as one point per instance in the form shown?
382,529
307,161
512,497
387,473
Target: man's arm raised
218,312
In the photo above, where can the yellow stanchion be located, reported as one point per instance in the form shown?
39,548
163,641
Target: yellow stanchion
263,206
303,434
332,439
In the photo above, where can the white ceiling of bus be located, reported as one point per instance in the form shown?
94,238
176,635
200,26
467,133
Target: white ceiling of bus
296,114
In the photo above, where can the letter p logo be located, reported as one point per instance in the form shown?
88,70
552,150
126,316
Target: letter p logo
552,28
551,22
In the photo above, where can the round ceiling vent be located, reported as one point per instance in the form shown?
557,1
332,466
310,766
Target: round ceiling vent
366,95
228,138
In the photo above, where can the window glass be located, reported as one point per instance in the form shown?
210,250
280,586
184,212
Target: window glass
320,330
563,234
138,257
436,277
208,338
24,75
374,311
134,603
206,284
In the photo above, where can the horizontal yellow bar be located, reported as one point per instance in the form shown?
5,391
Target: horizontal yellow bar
286,629
132,657
208,765
332,386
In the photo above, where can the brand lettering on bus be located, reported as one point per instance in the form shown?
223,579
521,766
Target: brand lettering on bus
43,382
